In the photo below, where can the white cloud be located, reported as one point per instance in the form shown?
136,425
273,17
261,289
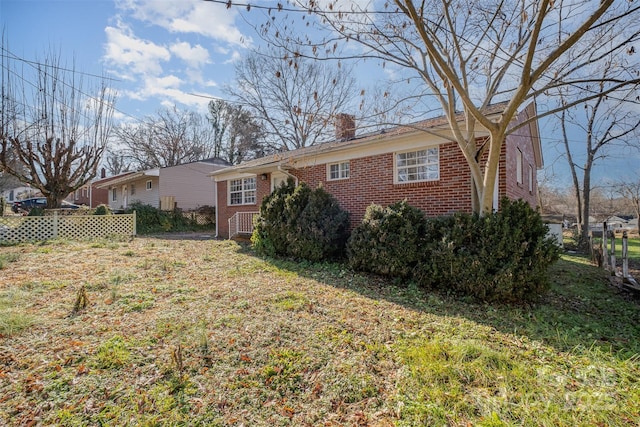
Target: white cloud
132,55
235,57
195,56
208,19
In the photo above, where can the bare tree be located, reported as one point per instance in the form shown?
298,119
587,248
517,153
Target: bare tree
469,55
603,123
296,99
630,191
169,138
237,135
116,162
53,132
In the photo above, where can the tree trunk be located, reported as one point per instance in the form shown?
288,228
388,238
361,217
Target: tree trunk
586,204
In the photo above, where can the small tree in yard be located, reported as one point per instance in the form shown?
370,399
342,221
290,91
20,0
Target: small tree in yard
301,223
52,133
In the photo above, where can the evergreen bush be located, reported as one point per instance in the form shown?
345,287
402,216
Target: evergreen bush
502,257
320,229
388,241
301,223
102,209
270,231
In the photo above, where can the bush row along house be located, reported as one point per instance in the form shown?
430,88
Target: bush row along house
420,163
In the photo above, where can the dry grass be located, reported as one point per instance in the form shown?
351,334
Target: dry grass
184,332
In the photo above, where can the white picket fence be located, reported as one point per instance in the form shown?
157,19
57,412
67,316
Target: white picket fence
14,229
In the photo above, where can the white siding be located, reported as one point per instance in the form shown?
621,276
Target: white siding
124,198
144,196
189,185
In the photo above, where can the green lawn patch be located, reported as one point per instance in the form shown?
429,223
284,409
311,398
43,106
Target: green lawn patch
207,333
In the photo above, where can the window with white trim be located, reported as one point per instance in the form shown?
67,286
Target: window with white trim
421,165
114,194
149,186
242,191
530,179
338,171
519,167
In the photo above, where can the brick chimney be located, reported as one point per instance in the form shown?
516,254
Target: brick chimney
103,173
345,127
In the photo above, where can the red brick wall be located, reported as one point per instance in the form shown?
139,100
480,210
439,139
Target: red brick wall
263,188
371,181
520,139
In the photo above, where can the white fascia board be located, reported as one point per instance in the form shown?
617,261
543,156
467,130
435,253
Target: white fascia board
375,147
237,175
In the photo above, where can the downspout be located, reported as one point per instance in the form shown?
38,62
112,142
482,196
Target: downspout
215,195
295,178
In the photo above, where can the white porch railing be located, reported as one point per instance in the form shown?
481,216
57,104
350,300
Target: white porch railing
241,223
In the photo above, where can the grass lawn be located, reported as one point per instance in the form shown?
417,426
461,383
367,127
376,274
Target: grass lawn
180,332
633,248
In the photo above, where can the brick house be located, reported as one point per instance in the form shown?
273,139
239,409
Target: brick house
419,163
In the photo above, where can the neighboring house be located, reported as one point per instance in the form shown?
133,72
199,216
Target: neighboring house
616,223
420,163
132,187
95,193
19,193
188,186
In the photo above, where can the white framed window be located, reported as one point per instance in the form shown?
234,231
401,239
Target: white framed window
76,195
519,166
242,191
338,171
530,179
114,194
133,189
415,166
149,186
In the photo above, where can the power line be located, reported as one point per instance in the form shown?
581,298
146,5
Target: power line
279,7
10,55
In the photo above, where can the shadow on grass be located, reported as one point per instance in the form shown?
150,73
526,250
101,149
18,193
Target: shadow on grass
582,310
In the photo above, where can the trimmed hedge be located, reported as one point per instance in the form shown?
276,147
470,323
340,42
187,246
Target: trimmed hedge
301,223
388,241
501,257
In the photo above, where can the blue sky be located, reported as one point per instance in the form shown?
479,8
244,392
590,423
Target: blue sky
161,53
158,53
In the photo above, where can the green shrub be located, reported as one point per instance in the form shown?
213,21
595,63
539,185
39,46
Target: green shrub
36,211
302,223
322,226
270,232
153,220
388,240
503,256
102,210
